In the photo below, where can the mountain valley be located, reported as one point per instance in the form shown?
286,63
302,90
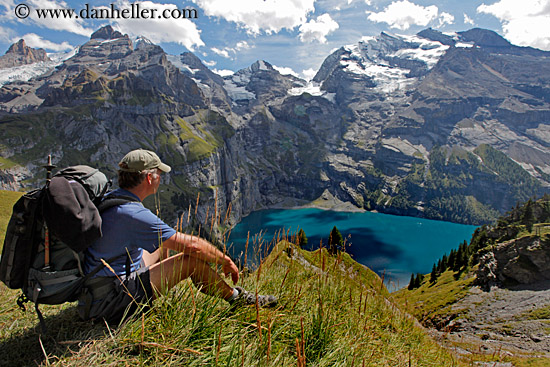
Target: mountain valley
450,127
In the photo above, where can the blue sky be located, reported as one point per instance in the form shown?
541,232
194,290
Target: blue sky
293,35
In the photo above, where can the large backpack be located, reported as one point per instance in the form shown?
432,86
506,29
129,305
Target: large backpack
49,230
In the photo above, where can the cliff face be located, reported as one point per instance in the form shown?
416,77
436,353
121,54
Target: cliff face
445,127
519,261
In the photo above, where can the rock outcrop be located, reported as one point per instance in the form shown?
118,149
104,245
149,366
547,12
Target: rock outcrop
520,261
20,54
445,127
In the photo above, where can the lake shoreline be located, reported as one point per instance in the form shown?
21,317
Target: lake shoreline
387,244
326,201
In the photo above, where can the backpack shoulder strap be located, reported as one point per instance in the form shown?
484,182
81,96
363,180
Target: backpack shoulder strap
110,201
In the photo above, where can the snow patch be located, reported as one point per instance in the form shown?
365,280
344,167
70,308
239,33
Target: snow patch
422,50
263,66
311,88
236,89
464,45
24,73
176,61
314,89
376,57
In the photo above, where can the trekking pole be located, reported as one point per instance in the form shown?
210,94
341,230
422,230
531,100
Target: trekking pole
49,167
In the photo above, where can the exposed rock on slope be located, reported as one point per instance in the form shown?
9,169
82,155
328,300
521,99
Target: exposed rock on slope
450,127
519,261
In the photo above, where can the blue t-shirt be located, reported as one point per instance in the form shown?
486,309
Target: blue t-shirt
127,228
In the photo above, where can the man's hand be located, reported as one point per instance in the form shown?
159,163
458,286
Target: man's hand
229,268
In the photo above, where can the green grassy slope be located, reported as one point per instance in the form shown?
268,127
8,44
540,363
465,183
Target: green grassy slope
433,301
332,312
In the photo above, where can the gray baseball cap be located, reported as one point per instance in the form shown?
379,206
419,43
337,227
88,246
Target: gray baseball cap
141,159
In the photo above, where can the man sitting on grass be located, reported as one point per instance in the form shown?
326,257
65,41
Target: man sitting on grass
133,235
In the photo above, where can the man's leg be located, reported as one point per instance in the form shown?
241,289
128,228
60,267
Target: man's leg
169,272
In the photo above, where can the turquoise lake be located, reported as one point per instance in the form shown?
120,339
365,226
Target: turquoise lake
395,246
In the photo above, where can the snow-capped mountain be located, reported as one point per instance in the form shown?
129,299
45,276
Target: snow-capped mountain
446,126
11,71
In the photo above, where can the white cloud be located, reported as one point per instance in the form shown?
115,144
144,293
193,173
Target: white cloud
446,18
35,41
8,4
308,74
229,52
223,72
342,4
6,33
61,23
256,15
525,23
317,30
222,53
468,20
181,31
285,71
403,14
242,45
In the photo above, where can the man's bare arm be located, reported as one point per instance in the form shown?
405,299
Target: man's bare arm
200,248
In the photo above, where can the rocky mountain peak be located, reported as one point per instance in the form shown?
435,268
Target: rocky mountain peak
20,54
484,37
192,60
107,33
194,67
19,47
104,44
437,36
261,65
143,42
404,124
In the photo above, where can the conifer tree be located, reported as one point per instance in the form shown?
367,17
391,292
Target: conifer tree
433,275
335,241
528,218
452,259
302,239
439,267
461,257
418,280
412,283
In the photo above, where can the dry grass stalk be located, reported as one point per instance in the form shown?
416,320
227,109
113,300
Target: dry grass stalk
284,279
120,280
157,345
258,320
197,204
297,298
218,347
215,214
270,325
246,249
242,350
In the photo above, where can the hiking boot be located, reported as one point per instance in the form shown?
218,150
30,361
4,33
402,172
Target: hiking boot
247,298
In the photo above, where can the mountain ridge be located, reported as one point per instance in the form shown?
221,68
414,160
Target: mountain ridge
369,128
